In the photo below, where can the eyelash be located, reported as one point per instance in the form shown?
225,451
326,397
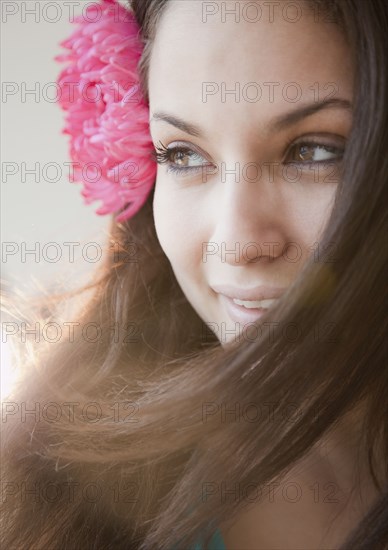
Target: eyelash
163,155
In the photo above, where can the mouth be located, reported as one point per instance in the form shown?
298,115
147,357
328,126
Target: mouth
245,311
254,304
247,305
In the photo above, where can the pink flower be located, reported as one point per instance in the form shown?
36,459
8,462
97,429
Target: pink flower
107,117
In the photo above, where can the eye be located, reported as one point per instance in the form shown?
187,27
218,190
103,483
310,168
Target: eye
179,159
313,152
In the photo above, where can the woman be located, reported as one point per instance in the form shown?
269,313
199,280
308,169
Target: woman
245,406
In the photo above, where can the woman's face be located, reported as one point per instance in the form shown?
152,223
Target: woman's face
254,113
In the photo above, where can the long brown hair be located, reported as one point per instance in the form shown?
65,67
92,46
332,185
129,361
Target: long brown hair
128,471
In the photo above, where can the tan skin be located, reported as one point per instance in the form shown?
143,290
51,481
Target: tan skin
188,52
335,492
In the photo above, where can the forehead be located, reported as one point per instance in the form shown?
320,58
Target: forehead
195,51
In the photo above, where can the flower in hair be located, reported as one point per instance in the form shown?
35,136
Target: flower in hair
107,116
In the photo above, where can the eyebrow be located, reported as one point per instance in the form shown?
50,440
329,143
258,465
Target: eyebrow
279,123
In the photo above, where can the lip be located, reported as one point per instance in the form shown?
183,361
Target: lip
241,314
254,293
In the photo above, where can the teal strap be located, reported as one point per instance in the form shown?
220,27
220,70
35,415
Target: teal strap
216,543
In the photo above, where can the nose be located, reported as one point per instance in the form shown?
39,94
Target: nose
249,218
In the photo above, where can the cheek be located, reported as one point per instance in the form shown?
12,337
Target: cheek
177,231
317,214
306,210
